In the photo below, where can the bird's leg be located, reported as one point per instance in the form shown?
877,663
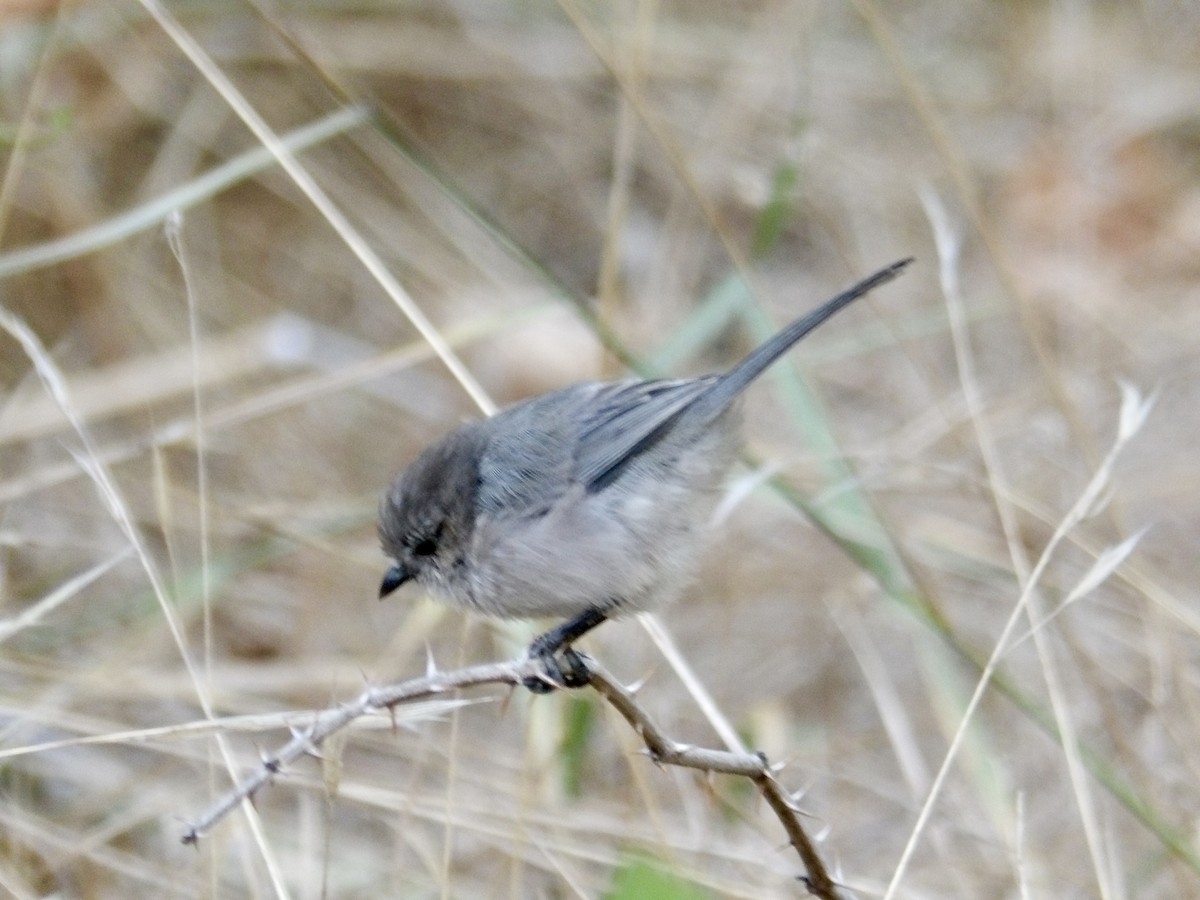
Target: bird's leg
545,648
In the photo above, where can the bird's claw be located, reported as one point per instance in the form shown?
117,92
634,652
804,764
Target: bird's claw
568,671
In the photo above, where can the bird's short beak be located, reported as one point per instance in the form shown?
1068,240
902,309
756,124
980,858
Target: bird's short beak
395,577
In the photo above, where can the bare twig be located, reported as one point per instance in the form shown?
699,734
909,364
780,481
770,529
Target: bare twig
754,766
662,749
325,724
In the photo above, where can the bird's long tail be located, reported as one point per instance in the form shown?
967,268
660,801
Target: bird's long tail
736,379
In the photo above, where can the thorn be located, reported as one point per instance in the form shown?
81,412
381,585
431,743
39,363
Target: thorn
636,686
431,669
793,803
798,794
504,703
305,737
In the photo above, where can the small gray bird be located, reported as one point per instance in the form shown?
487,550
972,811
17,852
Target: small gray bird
587,502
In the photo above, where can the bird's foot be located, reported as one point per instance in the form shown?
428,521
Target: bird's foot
567,669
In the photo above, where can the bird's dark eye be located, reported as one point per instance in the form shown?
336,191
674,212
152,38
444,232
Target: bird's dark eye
428,545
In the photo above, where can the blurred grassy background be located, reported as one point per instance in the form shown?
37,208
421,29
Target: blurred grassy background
678,176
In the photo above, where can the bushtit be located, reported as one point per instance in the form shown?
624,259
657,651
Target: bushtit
587,502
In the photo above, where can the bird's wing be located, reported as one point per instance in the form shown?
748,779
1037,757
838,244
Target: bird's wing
624,419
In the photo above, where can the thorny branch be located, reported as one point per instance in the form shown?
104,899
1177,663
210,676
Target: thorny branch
661,749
